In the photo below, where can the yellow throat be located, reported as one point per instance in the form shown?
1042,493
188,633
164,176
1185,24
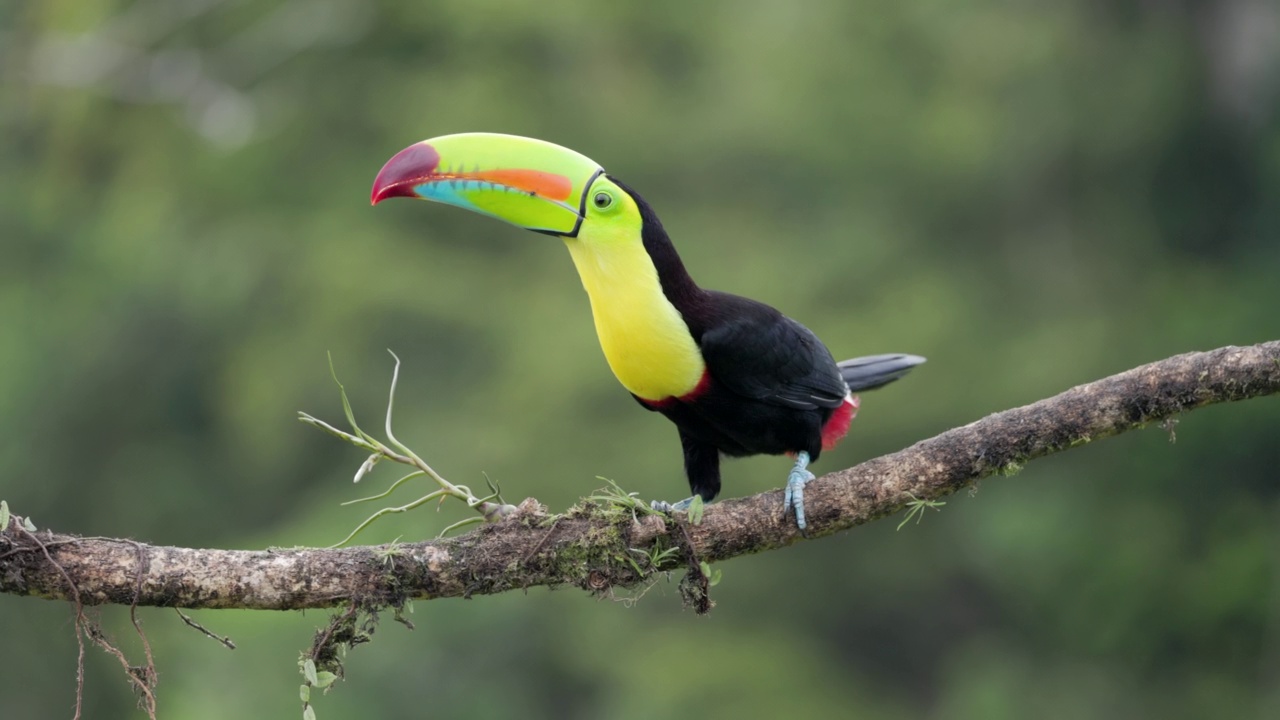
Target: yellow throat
644,337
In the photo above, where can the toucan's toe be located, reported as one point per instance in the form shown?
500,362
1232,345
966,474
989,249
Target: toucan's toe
665,507
794,494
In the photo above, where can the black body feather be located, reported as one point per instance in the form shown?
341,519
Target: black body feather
772,384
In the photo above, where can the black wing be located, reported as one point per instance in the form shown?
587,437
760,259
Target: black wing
757,352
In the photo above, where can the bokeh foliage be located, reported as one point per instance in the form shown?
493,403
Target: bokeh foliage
1032,195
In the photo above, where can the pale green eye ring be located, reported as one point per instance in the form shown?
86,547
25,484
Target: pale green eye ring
602,200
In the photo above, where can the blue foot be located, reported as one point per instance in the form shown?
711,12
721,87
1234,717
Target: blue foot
666,507
794,497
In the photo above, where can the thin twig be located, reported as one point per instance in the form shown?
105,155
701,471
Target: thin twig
207,633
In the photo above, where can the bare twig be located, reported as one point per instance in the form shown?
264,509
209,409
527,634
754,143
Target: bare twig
226,641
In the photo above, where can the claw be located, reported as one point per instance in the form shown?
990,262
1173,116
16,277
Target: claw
665,507
793,497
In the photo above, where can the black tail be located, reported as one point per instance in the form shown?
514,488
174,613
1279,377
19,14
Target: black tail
873,371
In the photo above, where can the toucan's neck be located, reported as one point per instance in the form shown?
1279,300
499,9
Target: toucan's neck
677,285
640,294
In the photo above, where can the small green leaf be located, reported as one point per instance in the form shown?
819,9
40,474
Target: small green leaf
324,679
715,578
30,526
308,713
304,692
910,513
695,510
4,516
309,671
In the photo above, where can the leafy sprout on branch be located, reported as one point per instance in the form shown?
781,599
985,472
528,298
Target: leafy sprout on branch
489,508
916,508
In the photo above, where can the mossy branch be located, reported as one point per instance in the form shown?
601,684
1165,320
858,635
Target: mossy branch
608,543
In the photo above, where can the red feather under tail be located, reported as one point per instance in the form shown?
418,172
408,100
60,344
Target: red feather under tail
838,424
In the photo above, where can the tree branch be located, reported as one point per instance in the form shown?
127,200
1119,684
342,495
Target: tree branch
601,545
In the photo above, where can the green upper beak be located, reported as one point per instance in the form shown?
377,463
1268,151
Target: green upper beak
530,183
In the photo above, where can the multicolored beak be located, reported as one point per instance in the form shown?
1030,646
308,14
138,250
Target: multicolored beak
529,183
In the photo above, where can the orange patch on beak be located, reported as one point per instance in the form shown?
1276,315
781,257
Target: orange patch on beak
537,182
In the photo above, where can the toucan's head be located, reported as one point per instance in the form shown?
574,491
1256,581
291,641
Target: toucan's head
530,183
608,230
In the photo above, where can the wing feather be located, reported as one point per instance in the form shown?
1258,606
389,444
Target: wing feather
759,353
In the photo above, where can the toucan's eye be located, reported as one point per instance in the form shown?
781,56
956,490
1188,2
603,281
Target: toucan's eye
602,200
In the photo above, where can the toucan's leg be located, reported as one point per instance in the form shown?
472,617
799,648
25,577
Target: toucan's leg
702,466
794,497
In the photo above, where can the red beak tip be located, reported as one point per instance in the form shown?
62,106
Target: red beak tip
379,193
397,176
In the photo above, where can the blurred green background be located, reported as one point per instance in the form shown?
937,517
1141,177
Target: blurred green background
1033,195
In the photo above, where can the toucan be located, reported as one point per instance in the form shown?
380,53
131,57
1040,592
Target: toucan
736,376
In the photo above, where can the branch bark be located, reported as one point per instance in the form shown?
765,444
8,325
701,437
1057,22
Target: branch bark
601,545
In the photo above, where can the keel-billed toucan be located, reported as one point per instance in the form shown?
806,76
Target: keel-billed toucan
736,376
